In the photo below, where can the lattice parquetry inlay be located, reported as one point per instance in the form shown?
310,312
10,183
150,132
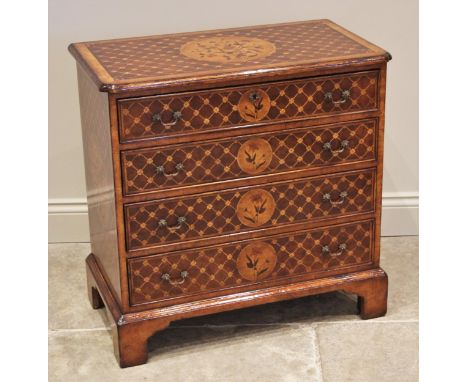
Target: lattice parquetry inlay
220,160
202,111
160,56
212,269
216,213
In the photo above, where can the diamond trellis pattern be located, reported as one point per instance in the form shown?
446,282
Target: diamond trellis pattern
214,161
248,163
201,111
158,57
217,213
217,268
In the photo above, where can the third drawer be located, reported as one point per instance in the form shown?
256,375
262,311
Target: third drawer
242,210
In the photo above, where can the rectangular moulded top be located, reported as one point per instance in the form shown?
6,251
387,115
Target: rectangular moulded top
221,56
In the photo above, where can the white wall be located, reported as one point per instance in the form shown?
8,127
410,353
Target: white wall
391,24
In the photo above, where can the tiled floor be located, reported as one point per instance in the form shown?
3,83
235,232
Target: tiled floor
317,338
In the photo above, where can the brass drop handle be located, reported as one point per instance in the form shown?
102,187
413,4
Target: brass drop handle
181,220
344,97
343,145
178,168
327,197
167,277
176,115
341,249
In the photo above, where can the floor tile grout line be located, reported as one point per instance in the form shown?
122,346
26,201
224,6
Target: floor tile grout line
68,242
65,331
298,324
318,360
365,322
209,326
283,324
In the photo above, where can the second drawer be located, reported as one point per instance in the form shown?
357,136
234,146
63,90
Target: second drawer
172,220
154,169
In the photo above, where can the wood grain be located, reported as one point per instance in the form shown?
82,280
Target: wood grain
97,148
231,168
308,46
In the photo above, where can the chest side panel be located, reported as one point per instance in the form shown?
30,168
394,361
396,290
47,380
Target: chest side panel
99,178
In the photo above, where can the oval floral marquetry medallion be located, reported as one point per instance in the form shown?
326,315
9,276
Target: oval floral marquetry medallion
254,105
225,49
256,261
254,156
255,208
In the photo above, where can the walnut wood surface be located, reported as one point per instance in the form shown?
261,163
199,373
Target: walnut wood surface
259,155
240,211
99,177
268,260
222,109
222,55
241,133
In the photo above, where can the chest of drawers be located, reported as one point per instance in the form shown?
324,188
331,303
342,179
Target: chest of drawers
230,168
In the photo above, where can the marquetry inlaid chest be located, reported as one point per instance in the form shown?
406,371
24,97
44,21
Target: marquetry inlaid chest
230,168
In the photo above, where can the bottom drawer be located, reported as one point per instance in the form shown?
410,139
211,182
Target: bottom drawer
242,264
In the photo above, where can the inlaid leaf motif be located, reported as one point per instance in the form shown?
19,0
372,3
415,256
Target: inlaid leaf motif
262,271
225,49
249,112
256,261
254,105
260,209
255,208
254,155
259,164
251,157
252,263
248,217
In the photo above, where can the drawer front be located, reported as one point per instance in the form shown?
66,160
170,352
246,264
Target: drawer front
164,115
247,263
164,168
218,213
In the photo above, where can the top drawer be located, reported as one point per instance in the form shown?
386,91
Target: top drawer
194,112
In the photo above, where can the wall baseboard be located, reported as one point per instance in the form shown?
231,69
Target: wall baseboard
400,214
68,220
68,217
